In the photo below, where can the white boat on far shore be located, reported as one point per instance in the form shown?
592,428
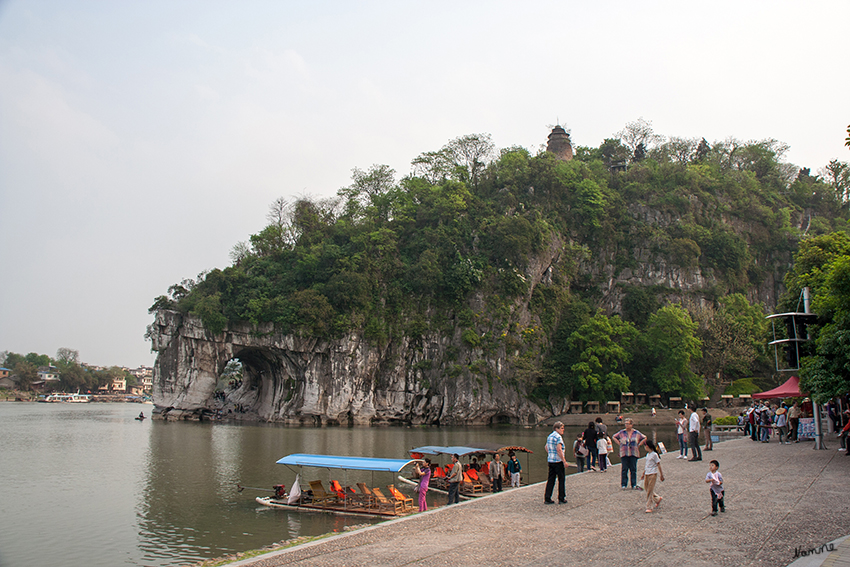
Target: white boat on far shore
67,398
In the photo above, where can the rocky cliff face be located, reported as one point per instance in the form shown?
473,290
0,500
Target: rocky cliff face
307,381
437,378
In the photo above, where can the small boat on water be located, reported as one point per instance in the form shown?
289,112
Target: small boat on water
341,498
475,483
67,398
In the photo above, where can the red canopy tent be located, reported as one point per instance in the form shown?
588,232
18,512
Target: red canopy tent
790,389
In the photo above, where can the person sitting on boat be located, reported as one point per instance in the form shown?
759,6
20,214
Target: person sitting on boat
141,415
474,465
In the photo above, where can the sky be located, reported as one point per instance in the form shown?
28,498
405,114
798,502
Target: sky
140,141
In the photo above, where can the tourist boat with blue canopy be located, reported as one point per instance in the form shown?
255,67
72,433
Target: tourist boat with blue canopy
474,484
351,495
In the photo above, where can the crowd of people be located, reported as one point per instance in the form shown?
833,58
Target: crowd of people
592,447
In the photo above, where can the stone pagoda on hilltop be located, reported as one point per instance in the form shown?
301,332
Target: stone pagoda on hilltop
559,144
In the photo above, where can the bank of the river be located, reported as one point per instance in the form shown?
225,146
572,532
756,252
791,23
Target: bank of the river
780,499
640,418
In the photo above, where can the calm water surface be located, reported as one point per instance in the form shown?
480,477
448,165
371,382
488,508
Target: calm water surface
87,485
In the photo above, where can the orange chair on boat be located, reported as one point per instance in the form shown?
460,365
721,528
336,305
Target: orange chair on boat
473,474
367,498
337,488
384,502
470,486
406,501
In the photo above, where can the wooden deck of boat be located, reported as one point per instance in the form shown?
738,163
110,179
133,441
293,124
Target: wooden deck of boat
330,509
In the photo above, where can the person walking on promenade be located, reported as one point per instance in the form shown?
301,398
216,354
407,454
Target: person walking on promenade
715,479
782,426
601,428
424,473
651,473
454,480
602,452
681,431
590,438
693,437
766,423
629,439
496,473
794,422
580,452
514,469
557,464
706,427
752,420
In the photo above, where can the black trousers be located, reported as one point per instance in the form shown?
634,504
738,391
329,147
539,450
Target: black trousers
497,484
556,470
454,492
717,500
693,442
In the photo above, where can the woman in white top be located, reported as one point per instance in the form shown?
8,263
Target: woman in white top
602,447
681,431
651,471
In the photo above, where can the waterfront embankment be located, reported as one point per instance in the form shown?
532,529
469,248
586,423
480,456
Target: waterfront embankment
779,498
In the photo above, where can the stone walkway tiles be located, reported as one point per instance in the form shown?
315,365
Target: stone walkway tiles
779,498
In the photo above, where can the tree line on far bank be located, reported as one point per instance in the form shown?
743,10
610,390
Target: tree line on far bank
73,376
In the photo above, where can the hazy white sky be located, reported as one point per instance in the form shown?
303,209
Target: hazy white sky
139,141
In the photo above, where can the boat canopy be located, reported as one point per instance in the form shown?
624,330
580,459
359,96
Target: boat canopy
339,462
483,448
460,450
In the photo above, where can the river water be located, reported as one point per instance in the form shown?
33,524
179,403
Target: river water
87,485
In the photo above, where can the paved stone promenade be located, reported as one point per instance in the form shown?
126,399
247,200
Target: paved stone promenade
779,498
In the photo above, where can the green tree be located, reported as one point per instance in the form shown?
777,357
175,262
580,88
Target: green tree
66,355
26,373
74,377
826,372
672,342
38,359
603,346
639,137
11,359
733,336
837,174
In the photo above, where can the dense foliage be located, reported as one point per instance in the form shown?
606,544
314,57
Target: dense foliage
823,265
73,376
455,249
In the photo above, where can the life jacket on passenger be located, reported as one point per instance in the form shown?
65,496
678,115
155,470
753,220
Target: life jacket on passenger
279,491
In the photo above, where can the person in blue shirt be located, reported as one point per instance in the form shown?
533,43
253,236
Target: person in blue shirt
557,464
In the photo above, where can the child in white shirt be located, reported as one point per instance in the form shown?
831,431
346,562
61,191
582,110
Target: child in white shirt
602,447
715,479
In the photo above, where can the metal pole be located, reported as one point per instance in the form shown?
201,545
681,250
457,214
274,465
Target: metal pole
819,444
807,302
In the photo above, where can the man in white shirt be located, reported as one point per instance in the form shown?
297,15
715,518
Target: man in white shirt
693,437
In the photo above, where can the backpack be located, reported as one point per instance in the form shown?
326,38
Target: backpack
581,449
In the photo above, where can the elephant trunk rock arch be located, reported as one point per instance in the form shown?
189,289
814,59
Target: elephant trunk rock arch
310,381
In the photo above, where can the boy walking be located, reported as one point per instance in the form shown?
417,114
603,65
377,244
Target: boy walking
715,479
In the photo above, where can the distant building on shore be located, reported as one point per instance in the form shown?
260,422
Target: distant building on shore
48,374
144,375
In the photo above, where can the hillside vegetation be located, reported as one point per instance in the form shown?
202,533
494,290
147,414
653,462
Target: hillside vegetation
547,264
